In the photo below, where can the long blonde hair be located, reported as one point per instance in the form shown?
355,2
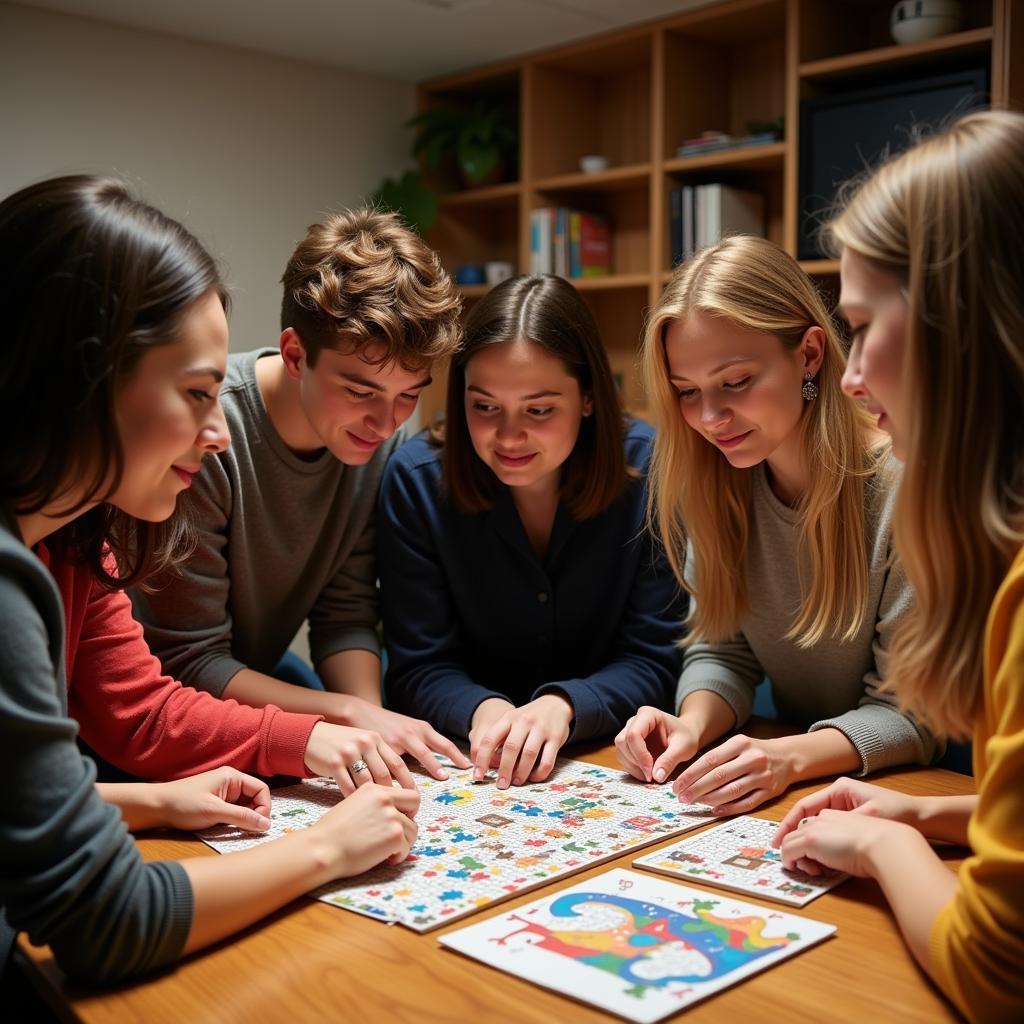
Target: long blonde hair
947,218
696,496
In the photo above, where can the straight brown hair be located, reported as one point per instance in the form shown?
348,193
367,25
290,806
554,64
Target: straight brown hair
548,311
91,278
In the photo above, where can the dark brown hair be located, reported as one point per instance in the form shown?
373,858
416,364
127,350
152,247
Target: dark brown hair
361,277
91,278
549,312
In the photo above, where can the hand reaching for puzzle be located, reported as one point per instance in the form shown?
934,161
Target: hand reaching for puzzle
737,775
406,735
850,842
653,742
372,826
522,743
338,751
223,796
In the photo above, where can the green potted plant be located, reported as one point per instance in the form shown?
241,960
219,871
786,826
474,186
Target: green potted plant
482,138
411,198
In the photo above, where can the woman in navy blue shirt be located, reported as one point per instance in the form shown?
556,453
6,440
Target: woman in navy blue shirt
524,602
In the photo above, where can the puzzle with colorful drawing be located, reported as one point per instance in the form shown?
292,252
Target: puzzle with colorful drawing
478,844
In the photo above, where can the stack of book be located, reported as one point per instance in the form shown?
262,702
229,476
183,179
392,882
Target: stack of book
711,142
570,243
701,215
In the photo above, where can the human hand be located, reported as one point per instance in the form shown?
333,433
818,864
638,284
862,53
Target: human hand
223,796
406,735
529,738
846,841
653,742
852,795
372,826
338,751
488,713
737,775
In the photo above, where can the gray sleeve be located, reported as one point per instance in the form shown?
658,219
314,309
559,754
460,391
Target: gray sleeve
883,735
186,619
70,875
346,613
728,668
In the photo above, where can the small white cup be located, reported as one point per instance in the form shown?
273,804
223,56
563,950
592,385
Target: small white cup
594,163
497,271
914,21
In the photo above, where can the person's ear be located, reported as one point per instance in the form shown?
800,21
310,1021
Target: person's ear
812,350
588,404
293,352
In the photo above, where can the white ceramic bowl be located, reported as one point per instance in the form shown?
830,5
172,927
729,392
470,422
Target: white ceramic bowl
914,21
595,163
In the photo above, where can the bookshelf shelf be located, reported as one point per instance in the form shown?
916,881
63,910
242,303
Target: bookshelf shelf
612,180
973,41
755,158
610,282
490,195
473,291
819,267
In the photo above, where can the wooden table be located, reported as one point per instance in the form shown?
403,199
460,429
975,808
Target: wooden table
311,962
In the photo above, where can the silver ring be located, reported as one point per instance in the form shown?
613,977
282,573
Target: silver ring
359,766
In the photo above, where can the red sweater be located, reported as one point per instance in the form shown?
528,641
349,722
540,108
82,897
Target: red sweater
146,723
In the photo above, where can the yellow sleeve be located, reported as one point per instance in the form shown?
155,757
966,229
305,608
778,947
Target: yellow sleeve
977,942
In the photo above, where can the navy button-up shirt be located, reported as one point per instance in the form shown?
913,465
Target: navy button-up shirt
471,612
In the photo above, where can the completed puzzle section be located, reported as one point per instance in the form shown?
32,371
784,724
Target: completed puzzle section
738,855
478,844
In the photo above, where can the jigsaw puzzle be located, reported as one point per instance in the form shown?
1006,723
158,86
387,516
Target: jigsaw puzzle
478,844
738,855
636,946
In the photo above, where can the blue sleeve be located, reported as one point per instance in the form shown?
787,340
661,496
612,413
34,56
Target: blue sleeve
426,677
646,659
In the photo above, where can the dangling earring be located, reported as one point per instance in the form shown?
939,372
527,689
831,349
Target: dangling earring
809,389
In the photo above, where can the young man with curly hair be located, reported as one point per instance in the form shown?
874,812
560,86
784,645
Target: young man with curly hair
286,515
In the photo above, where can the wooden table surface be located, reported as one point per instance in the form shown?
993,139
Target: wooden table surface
312,962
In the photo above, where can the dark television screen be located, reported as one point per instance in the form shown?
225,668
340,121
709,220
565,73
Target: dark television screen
841,135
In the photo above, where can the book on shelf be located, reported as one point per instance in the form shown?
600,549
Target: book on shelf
570,243
541,241
712,142
701,215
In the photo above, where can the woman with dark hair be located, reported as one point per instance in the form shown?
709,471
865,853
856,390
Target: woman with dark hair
523,603
115,343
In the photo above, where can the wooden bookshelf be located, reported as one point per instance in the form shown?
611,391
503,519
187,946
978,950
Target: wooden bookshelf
489,195
634,95
768,157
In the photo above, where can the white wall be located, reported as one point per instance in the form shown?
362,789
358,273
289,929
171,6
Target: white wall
247,150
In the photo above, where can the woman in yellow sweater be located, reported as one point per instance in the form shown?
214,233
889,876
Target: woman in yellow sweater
932,272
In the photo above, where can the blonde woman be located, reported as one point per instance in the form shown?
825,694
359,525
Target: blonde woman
772,496
932,277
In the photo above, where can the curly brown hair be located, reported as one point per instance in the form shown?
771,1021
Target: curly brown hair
362,278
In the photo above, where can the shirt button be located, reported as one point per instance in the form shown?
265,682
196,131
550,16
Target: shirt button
542,596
